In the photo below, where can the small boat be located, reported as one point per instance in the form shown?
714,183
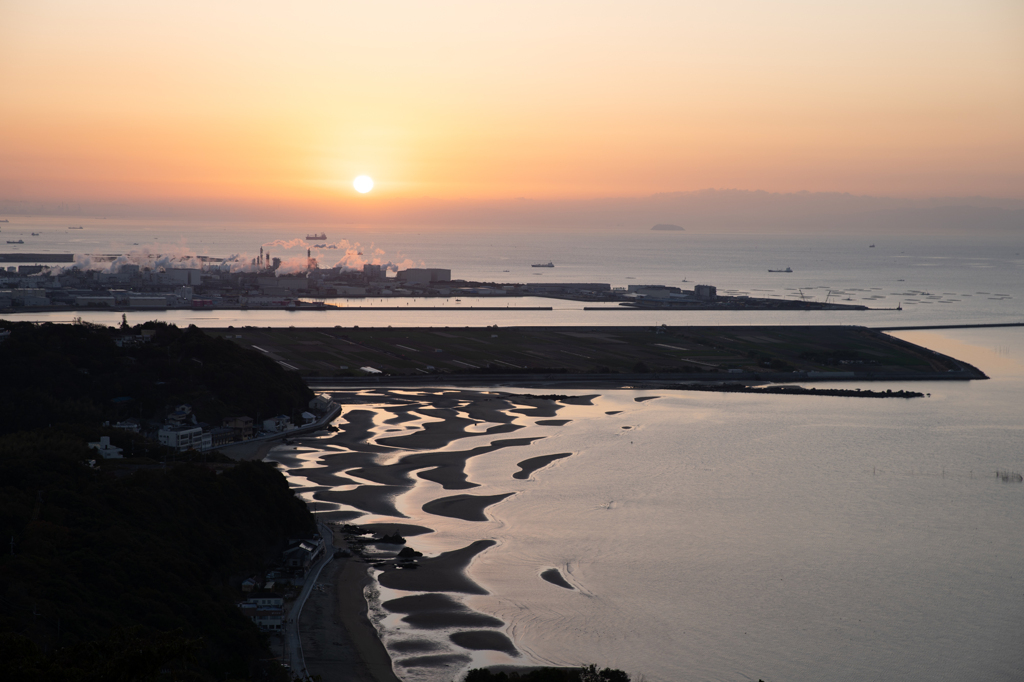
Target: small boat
786,270
322,237
35,234
19,241
871,246
549,264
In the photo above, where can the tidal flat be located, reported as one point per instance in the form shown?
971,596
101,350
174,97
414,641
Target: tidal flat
813,527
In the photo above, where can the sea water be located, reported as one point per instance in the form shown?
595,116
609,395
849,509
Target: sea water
731,537
717,536
933,280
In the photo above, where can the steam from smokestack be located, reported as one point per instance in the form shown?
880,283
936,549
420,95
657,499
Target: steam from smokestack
352,256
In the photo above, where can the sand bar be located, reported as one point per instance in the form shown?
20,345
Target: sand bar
443,573
366,468
528,466
465,507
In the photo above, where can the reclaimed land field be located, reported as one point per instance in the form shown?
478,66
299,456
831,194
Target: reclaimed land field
609,354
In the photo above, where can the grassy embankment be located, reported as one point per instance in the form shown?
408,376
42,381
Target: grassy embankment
342,352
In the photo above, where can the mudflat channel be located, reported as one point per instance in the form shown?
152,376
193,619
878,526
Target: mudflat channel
359,470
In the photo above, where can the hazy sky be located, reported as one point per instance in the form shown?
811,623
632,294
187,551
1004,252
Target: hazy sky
285,102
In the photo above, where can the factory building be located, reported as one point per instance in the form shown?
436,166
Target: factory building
425,275
705,292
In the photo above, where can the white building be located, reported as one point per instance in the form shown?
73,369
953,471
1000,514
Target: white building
277,424
183,438
321,402
266,610
131,425
106,450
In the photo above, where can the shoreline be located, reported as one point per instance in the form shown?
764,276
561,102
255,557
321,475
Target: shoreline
337,628
391,436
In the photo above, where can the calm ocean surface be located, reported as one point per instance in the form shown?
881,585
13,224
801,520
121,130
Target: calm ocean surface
742,537
729,537
934,279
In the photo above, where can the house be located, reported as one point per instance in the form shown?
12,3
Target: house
266,609
131,425
321,402
241,426
106,450
130,340
180,415
301,554
278,424
221,435
183,438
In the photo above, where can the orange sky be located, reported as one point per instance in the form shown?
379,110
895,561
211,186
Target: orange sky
117,100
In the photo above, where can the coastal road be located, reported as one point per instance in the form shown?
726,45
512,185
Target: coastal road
257,448
292,641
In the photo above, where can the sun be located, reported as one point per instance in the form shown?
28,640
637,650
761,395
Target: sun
363,184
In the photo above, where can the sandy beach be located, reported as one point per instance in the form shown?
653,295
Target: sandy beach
387,439
338,640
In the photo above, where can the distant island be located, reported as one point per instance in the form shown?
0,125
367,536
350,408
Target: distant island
665,227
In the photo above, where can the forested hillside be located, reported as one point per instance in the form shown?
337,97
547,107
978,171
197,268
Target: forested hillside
128,569
53,374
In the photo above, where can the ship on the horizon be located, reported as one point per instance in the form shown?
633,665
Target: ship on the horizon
19,241
549,264
322,237
75,227
786,270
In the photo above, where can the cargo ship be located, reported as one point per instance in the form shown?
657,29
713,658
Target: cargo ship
322,237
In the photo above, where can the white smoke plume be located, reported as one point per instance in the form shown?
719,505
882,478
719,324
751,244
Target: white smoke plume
348,256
